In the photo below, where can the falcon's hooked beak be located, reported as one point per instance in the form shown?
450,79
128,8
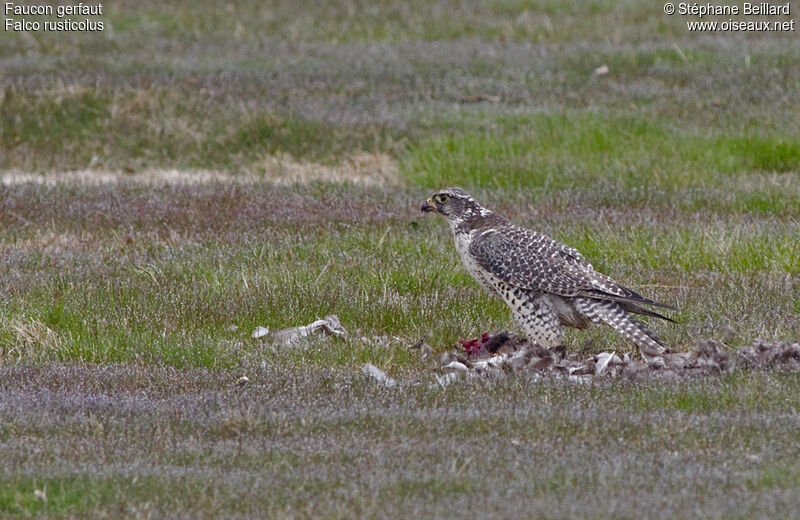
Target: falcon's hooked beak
428,206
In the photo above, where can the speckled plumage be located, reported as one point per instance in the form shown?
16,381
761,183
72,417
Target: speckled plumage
545,283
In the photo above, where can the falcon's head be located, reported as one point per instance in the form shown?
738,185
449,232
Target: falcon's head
455,204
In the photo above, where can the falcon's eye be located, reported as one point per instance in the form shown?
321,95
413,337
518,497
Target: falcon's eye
441,198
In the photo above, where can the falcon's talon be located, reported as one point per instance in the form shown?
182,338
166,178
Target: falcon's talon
546,284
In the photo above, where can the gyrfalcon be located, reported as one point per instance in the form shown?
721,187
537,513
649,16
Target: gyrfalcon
546,284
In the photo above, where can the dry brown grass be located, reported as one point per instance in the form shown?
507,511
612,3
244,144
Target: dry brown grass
27,339
369,169
360,168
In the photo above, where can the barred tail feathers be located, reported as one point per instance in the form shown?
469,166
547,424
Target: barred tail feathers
613,315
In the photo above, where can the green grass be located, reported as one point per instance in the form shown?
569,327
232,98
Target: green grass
126,307
360,21
191,441
634,158
134,129
744,392
193,294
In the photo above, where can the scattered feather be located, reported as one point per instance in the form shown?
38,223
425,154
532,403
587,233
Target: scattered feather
455,366
377,374
425,350
260,332
329,326
516,354
448,378
602,360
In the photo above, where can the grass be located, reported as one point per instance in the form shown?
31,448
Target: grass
134,129
645,160
126,307
246,455
177,277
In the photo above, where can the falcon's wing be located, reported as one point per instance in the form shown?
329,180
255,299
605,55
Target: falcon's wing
534,261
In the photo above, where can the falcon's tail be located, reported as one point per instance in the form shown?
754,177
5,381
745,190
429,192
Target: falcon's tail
615,316
629,296
638,309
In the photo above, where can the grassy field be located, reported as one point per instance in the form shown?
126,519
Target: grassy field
199,169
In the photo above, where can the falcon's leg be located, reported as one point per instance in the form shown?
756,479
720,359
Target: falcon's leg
569,314
537,316
610,313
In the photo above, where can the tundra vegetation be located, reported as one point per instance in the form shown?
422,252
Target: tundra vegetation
199,169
